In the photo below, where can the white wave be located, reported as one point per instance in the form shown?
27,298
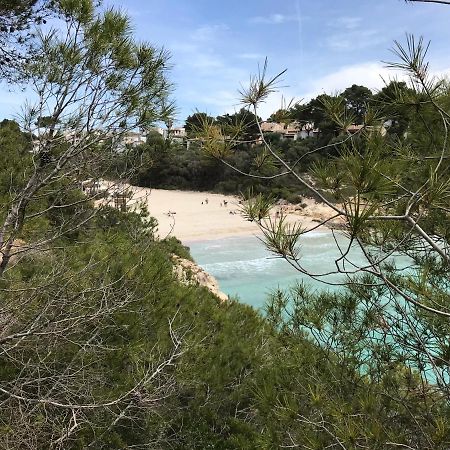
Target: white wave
240,266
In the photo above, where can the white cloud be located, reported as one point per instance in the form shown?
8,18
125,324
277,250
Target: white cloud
208,33
440,73
349,23
369,74
354,40
273,19
373,75
258,56
349,34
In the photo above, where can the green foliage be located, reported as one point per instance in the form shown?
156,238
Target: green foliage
259,87
356,100
256,207
315,113
370,394
242,124
381,374
171,166
15,160
173,246
16,34
395,100
102,346
195,122
282,238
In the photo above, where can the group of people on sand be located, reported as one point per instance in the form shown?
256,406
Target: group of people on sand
280,212
224,203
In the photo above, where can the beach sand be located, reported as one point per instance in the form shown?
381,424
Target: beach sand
202,216
194,216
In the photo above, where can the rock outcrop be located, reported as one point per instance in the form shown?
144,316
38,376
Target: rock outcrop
190,273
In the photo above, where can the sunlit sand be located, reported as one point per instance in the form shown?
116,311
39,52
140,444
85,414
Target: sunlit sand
192,216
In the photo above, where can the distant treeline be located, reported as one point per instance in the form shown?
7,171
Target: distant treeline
155,363
171,164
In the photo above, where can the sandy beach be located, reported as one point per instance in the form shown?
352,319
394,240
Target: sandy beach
193,216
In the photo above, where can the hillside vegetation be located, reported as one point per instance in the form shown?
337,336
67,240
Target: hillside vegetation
102,347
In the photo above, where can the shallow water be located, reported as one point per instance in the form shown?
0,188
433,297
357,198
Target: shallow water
245,269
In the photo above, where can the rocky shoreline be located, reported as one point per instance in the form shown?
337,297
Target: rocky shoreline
189,273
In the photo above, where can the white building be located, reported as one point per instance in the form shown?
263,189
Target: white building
291,131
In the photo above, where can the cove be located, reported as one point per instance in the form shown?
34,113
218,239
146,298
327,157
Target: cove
246,270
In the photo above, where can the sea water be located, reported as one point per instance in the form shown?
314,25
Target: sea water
245,269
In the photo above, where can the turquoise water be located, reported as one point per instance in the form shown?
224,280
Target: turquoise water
245,269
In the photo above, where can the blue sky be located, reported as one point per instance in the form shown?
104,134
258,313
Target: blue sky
325,45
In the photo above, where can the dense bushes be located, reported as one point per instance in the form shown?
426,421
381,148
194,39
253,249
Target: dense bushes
172,166
236,381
